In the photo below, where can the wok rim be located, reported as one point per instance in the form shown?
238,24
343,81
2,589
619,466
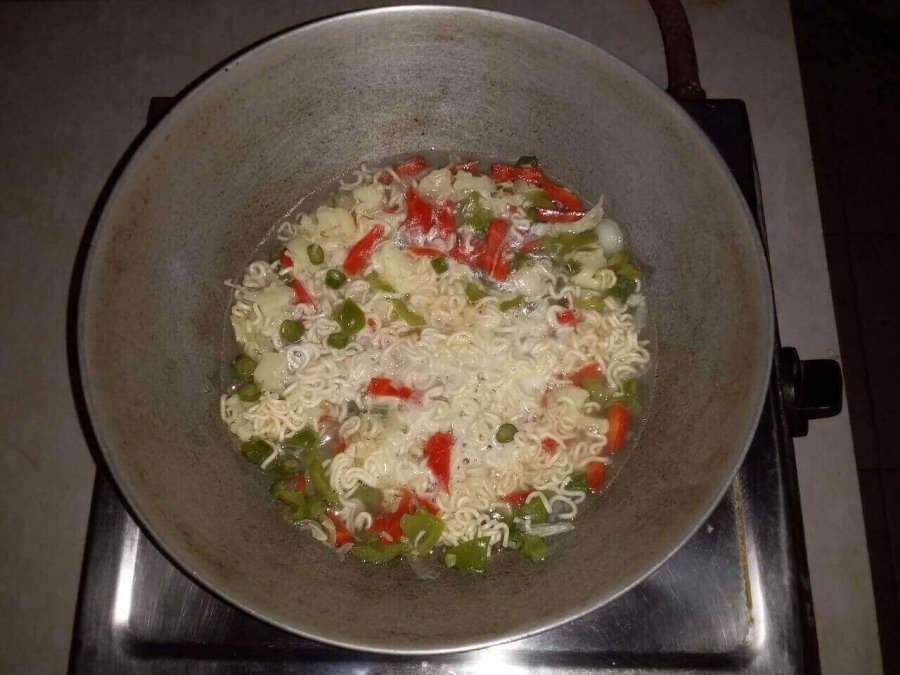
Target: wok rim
166,543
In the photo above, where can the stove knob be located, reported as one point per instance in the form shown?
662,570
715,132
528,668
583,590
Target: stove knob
810,389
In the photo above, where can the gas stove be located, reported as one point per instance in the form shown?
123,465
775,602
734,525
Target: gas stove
735,599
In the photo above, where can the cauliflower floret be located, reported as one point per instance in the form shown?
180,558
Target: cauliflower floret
466,183
531,280
593,274
437,185
332,228
398,268
272,372
274,300
368,197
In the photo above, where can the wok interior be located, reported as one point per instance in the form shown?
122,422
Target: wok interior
214,178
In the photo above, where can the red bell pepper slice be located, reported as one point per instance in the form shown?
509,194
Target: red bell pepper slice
285,260
342,534
467,256
502,173
358,256
548,445
300,483
557,216
590,370
411,167
567,317
301,295
566,198
596,476
516,498
493,262
385,178
418,213
370,322
426,251
388,522
428,505
437,452
618,427
471,167
530,246
443,222
382,386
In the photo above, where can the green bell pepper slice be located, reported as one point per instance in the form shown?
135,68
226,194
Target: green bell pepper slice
473,214
316,475
534,510
420,522
285,467
315,506
350,317
379,283
256,450
534,548
512,303
379,553
594,302
371,497
295,501
469,556
306,439
475,292
410,317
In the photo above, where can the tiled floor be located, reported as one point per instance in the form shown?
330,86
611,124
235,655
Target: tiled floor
850,63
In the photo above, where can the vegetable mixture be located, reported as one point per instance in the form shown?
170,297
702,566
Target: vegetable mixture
439,363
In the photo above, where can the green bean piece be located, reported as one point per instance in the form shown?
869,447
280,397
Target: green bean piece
315,254
249,392
594,302
440,265
337,340
578,481
473,214
506,432
306,439
379,283
469,556
243,366
528,160
535,549
335,279
475,292
350,318
623,288
410,317
534,511
285,467
512,303
371,497
423,530
315,506
316,475
256,450
379,553
291,330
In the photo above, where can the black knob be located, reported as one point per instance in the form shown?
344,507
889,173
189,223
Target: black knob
811,389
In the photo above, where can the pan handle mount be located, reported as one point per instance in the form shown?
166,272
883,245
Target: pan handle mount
681,57
811,389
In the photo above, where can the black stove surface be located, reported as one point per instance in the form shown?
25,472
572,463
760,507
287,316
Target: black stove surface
734,599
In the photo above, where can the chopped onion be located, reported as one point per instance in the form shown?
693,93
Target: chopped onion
425,568
314,529
590,220
548,529
611,238
343,550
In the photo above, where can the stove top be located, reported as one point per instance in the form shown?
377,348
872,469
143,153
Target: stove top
734,599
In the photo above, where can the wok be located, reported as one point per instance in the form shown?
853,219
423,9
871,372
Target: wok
209,183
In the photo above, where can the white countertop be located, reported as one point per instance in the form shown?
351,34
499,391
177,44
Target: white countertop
77,81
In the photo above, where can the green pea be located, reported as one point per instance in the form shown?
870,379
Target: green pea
243,366
475,292
315,254
291,330
249,392
512,303
256,450
337,340
335,279
506,432
440,265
